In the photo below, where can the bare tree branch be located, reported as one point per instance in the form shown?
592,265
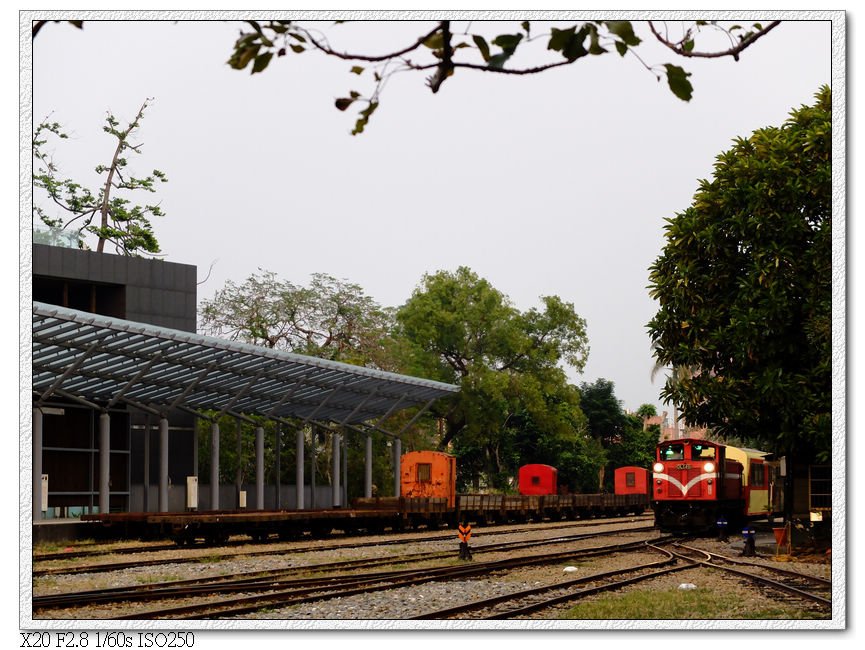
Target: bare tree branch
679,48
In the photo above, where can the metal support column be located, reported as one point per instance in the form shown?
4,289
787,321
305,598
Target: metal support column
313,461
163,464
278,466
334,474
214,466
397,470
298,480
37,463
238,474
367,465
344,493
259,468
104,462
146,496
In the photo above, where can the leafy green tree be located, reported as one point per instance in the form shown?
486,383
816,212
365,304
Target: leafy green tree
107,213
744,285
507,363
606,418
647,411
449,47
621,435
331,319
636,446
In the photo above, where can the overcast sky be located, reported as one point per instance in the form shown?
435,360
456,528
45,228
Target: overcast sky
557,183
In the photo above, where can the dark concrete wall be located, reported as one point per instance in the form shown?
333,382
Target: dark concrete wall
137,289
156,292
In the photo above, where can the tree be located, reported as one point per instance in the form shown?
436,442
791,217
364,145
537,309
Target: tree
446,48
331,319
647,411
118,221
506,362
636,447
744,287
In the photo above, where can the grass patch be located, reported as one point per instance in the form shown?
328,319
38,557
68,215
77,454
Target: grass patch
699,604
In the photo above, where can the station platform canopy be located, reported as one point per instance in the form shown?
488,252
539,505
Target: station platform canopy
103,361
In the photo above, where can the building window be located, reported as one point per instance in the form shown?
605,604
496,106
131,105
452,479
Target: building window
424,472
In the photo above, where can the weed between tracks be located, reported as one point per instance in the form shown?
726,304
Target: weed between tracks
698,604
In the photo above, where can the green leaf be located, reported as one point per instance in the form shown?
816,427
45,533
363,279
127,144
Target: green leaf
261,62
508,42
526,25
435,42
243,56
677,79
569,42
482,46
297,48
622,48
343,103
595,47
357,70
689,45
363,120
624,30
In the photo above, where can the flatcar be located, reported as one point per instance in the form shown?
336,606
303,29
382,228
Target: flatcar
538,499
428,498
697,483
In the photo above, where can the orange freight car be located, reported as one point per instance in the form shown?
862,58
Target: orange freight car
429,474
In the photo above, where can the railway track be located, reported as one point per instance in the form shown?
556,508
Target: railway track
801,585
403,538
367,583
280,588
313,548
529,601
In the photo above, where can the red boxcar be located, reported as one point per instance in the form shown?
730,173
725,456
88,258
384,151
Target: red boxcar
429,474
632,480
538,479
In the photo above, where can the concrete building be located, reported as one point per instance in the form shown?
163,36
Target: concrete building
143,290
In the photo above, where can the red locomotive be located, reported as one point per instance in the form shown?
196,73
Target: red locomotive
696,483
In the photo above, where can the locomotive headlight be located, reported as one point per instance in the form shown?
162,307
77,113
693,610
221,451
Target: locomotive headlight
658,467
709,467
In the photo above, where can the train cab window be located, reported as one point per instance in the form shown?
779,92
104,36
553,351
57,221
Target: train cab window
702,452
630,479
757,476
673,452
424,472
